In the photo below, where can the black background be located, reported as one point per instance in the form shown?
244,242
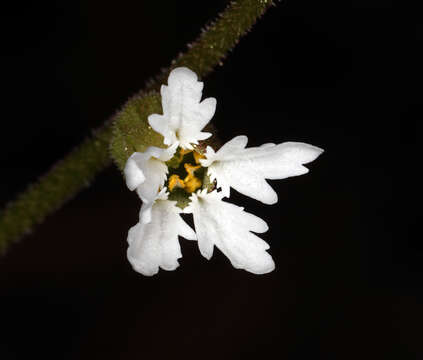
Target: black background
342,75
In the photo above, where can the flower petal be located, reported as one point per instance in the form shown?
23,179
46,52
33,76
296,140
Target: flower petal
133,174
184,116
147,171
229,228
245,170
155,244
146,207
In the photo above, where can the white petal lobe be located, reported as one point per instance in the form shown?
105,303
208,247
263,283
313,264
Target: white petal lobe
229,228
146,172
246,169
155,244
184,116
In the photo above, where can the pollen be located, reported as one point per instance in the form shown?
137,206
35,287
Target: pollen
191,182
175,181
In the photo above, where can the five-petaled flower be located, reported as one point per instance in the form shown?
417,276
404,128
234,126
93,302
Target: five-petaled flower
183,178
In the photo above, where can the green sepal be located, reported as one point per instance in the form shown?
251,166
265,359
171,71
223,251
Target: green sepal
131,131
181,197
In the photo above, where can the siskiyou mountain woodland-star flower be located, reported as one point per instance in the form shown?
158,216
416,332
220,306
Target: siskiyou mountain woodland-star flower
185,178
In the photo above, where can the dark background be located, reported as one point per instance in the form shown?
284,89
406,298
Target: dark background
342,75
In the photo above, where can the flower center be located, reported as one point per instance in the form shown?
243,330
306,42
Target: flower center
186,175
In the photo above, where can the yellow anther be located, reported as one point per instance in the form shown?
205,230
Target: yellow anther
190,169
191,182
198,156
184,151
175,181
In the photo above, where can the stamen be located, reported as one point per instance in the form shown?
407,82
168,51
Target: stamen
191,182
175,181
184,151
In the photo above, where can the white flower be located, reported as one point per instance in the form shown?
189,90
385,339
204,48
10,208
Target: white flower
153,242
193,179
183,115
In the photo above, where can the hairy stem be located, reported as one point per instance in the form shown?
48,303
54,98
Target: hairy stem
79,168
